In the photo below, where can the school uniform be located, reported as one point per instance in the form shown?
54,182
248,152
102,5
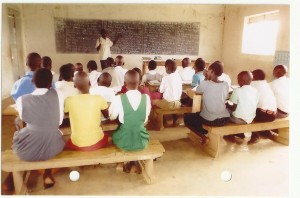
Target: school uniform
246,98
152,75
214,110
266,107
186,74
197,79
132,110
107,93
117,74
67,88
42,111
280,88
224,77
93,76
85,115
55,77
171,88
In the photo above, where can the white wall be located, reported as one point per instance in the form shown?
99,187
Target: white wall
234,60
40,35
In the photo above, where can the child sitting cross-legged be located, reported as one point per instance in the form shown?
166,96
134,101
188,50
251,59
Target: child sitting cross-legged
132,110
244,103
214,93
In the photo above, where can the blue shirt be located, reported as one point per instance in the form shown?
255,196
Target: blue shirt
24,86
197,78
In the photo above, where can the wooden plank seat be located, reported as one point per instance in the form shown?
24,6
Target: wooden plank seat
10,111
159,113
110,154
215,134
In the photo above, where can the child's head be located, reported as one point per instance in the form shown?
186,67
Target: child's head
152,65
104,79
258,74
119,60
82,82
66,72
185,62
139,72
279,71
132,80
244,78
214,71
170,66
199,65
78,67
47,62
92,65
33,61
42,78
110,62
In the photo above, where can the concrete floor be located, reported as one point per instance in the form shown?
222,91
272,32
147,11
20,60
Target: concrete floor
184,169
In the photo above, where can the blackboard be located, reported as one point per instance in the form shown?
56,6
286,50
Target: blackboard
169,38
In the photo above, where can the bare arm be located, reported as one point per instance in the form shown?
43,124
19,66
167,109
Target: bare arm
105,113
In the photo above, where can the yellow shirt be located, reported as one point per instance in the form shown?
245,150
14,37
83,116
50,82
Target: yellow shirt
85,117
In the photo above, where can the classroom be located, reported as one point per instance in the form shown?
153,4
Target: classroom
163,64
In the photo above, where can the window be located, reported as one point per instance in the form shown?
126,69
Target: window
260,33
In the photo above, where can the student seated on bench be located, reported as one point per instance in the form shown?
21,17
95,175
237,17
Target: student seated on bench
266,107
280,87
198,77
171,88
25,85
132,110
78,68
42,111
94,74
152,75
214,111
187,72
47,63
85,115
66,85
225,77
244,103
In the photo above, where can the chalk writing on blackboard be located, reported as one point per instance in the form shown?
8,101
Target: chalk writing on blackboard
170,38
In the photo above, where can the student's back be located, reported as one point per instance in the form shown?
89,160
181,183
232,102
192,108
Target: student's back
67,85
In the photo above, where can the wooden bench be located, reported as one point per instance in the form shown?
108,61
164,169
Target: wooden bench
111,154
10,111
215,134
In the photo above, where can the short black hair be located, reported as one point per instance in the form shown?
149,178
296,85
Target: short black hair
103,31
66,72
258,74
138,71
34,61
92,65
200,64
46,62
42,78
109,61
217,68
171,65
168,61
152,65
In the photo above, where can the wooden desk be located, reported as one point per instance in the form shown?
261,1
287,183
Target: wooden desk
153,88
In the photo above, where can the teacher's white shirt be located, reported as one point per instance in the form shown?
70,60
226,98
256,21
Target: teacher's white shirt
104,51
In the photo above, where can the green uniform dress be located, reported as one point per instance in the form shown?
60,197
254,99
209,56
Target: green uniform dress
132,135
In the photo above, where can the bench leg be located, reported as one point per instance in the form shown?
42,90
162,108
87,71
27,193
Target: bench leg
147,170
212,148
20,184
283,136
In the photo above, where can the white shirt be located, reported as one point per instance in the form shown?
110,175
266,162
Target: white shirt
94,75
246,98
42,91
117,74
67,88
134,97
280,88
55,76
104,51
226,78
186,74
107,93
266,99
171,87
151,75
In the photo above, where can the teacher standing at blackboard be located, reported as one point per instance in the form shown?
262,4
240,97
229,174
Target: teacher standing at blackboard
103,46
